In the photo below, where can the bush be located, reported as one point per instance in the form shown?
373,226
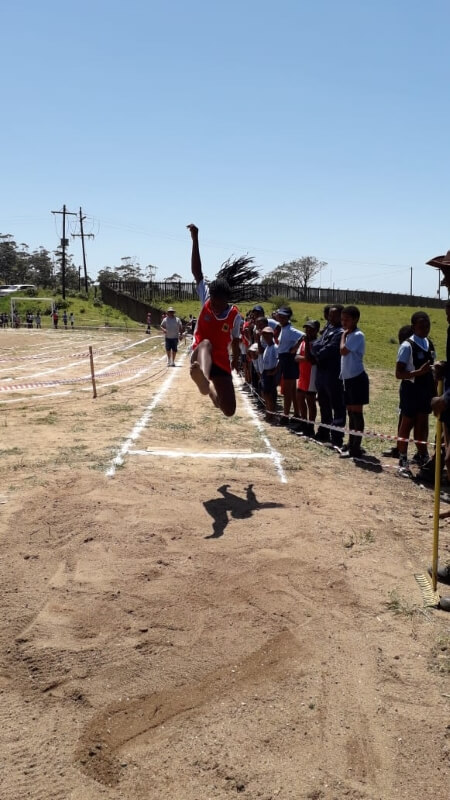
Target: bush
278,301
31,292
97,302
82,310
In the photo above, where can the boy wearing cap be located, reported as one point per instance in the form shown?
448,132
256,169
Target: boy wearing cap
306,384
257,312
218,326
288,342
172,328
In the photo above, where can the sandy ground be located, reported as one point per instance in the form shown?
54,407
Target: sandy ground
197,628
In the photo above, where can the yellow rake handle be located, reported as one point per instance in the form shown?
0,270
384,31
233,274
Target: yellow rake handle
437,495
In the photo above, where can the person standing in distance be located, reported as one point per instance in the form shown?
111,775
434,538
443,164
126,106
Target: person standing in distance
172,328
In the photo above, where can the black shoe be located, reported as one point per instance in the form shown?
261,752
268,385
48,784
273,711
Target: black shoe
284,420
392,453
420,458
443,573
444,603
403,468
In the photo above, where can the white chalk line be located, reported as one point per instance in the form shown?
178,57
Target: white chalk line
275,455
181,454
37,397
118,460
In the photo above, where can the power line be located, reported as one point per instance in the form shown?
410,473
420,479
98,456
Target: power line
247,248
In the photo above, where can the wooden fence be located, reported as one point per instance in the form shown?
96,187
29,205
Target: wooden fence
151,293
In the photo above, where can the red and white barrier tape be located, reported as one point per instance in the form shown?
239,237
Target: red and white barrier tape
17,387
361,434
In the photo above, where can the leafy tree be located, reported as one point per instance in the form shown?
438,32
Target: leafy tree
106,275
71,270
298,273
18,265
40,267
130,272
175,278
8,258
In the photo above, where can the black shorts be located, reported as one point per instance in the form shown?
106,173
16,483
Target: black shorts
288,367
414,399
218,372
171,344
268,383
356,390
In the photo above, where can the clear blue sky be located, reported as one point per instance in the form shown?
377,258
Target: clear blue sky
282,128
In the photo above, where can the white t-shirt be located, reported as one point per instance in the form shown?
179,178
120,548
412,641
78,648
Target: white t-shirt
405,355
172,327
270,357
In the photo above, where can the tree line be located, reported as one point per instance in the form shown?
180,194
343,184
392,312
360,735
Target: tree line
42,267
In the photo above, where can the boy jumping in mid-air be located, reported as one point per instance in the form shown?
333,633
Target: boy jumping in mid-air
218,326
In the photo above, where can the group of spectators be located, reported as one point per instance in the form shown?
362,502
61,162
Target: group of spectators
31,320
313,368
14,320
325,368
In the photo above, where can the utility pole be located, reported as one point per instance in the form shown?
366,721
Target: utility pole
64,243
82,234
410,281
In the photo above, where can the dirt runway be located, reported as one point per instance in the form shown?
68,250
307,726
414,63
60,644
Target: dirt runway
197,607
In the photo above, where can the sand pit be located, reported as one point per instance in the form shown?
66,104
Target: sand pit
196,607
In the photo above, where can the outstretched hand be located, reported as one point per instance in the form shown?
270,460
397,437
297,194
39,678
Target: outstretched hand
193,229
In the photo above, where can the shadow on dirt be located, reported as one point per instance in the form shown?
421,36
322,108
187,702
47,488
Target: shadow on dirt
239,508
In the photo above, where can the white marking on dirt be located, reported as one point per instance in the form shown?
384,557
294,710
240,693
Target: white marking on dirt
140,424
275,455
181,454
37,397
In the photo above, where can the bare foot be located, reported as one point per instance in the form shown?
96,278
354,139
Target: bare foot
213,395
444,514
199,378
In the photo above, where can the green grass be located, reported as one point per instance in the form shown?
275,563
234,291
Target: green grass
380,324
84,310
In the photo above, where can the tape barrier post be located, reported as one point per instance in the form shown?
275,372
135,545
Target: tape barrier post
91,359
437,496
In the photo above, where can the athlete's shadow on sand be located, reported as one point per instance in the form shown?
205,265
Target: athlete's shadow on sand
239,508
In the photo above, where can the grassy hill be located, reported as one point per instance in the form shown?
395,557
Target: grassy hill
379,323
88,312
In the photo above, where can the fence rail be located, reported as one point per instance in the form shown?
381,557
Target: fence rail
150,293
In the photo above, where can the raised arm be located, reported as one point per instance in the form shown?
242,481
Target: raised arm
196,264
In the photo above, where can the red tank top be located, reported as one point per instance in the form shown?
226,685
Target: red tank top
218,332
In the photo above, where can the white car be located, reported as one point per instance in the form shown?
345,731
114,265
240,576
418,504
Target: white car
18,287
